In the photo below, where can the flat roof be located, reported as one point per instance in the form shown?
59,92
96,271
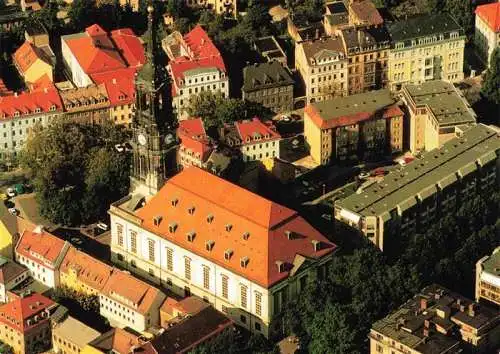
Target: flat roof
76,332
439,166
445,101
266,44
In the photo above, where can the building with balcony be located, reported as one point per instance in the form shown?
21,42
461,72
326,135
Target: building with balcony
426,47
488,278
437,320
70,336
357,127
409,199
25,324
11,275
436,108
196,65
202,235
42,253
269,84
322,63
487,30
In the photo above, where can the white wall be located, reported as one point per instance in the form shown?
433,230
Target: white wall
261,150
40,271
78,76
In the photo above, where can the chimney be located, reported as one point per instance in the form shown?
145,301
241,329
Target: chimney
423,304
281,266
316,34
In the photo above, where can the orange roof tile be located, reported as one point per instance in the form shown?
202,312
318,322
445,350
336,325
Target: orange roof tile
192,127
119,85
116,340
248,129
244,224
490,13
16,313
42,84
367,12
130,47
89,270
132,289
40,246
26,55
188,306
30,102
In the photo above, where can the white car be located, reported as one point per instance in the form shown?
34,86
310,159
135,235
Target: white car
102,226
327,217
11,192
14,211
119,148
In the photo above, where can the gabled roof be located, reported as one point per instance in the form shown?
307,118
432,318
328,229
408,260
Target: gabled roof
192,127
16,313
43,83
193,137
328,45
132,289
251,230
119,85
40,247
116,340
253,130
188,306
490,13
88,270
366,12
27,54
9,270
28,102
265,75
130,46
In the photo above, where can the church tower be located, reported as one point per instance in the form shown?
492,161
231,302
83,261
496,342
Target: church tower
153,143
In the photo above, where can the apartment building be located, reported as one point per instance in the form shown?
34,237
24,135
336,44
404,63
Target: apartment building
195,146
26,325
20,113
129,302
89,104
436,108
196,65
437,320
426,47
270,50
363,126
335,18
220,7
409,199
34,62
83,273
256,140
269,84
11,275
322,63
245,255
70,336
363,13
367,50
42,253
488,278
487,30
116,340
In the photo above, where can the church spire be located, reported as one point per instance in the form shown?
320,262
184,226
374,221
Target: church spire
149,71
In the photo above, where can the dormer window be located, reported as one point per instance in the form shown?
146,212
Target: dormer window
16,114
316,245
191,235
157,220
175,201
228,254
229,227
210,218
209,245
281,266
289,234
246,235
53,107
172,227
244,262
191,210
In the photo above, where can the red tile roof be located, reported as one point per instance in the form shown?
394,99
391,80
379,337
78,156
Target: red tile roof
193,137
130,46
192,127
29,102
119,85
40,247
132,289
26,55
42,83
366,12
188,306
16,313
249,226
249,129
490,13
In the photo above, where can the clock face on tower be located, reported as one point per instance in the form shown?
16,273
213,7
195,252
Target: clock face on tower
141,139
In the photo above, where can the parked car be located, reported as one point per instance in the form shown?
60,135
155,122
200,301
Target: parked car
11,192
19,188
13,211
119,148
102,226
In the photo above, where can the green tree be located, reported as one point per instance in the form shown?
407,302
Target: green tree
463,12
491,84
82,14
5,348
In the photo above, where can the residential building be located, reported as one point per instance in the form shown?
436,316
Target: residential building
488,278
435,109
367,51
11,17
34,62
26,325
195,146
322,63
71,336
42,253
37,35
196,65
96,51
487,30
89,104
336,17
426,47
11,274
220,7
129,302
245,255
188,331
255,139
20,113
134,4
357,127
116,340
409,199
173,311
270,50
437,320
364,13
300,30
269,84
11,227
83,273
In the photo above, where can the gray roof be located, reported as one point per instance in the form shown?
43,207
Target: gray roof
366,39
436,167
75,331
492,264
445,101
265,75
315,47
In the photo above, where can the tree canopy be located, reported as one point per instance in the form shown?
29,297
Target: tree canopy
76,171
491,84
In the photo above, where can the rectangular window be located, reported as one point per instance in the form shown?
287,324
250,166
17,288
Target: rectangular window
258,303
170,259
133,241
187,268
225,281
119,234
243,290
206,277
151,250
